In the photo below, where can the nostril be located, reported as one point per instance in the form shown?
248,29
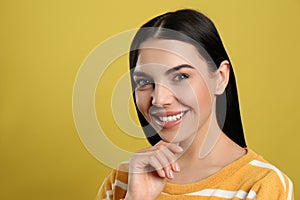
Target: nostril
161,96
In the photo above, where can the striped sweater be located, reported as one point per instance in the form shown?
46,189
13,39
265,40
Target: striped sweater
250,177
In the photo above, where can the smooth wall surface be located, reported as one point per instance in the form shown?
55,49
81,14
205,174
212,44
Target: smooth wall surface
43,44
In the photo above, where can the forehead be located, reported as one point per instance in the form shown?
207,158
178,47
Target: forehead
168,53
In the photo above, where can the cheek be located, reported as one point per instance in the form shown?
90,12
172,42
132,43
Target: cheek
143,102
204,100
197,96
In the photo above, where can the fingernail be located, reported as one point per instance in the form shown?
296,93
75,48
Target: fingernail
177,168
171,174
163,173
180,148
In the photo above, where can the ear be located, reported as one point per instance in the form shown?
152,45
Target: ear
222,77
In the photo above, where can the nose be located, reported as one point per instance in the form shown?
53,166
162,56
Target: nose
161,96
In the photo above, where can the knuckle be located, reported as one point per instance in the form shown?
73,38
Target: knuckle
152,160
161,144
156,153
160,147
167,168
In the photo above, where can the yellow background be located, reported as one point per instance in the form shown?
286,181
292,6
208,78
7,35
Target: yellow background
43,44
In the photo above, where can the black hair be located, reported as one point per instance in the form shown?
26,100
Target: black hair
195,28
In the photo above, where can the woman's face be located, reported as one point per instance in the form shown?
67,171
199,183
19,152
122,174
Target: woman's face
174,89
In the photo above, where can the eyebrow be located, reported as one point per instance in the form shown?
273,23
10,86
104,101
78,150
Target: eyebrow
177,68
174,69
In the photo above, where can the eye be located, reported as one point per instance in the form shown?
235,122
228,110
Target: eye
180,76
143,82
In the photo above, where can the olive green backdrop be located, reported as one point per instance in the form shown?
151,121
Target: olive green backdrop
43,43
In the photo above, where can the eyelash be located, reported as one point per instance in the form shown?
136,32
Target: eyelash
146,82
181,77
143,82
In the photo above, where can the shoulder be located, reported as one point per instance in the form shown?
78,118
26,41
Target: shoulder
267,179
263,170
115,184
119,176
121,173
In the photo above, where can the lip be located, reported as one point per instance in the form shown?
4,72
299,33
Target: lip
167,124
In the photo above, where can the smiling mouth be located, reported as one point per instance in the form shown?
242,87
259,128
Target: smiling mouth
168,119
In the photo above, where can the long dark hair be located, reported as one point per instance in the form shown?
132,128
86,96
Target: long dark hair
195,28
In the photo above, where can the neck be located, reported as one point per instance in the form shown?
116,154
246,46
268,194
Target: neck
209,151
203,142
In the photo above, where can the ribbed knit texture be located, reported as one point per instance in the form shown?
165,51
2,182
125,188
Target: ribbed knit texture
250,177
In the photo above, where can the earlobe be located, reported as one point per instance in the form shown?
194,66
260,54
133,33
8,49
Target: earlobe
222,77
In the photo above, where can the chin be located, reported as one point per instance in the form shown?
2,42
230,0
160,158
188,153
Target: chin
171,139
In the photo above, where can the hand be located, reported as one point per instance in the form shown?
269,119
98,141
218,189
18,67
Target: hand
149,168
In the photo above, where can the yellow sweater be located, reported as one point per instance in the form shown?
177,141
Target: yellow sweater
250,177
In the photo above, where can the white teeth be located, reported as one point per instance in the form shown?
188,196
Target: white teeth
171,118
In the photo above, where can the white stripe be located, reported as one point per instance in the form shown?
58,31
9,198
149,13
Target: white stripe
119,184
269,166
251,195
224,194
108,193
116,183
290,190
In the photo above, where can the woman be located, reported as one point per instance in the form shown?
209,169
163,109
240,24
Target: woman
187,102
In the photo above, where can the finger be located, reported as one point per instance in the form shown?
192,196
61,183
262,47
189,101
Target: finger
146,149
160,158
165,158
172,159
175,148
175,167
170,156
169,150
154,162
